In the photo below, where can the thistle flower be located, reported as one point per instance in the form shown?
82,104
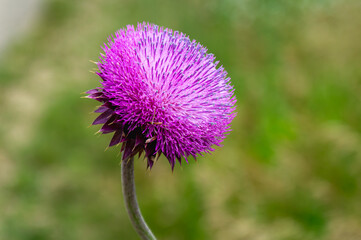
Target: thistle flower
162,94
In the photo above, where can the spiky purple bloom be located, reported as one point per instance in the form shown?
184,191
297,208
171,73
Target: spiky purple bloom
162,93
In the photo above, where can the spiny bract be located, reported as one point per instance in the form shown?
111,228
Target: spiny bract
162,93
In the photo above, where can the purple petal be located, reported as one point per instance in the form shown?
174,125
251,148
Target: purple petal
101,109
110,126
117,137
95,95
139,140
150,162
92,91
103,118
128,149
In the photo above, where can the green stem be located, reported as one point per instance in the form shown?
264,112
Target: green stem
131,202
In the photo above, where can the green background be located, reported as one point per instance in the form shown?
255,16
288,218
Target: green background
289,170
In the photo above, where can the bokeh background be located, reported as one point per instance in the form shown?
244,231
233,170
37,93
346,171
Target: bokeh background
290,169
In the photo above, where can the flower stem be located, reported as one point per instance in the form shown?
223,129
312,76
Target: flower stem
131,202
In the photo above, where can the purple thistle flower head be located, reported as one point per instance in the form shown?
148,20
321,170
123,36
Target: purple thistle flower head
162,94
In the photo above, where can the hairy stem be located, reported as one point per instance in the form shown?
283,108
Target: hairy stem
131,202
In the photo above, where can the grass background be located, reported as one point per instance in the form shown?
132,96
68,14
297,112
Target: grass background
288,171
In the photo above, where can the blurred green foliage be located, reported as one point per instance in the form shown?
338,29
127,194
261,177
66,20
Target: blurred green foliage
289,170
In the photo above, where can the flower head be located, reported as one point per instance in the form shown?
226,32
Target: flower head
162,94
